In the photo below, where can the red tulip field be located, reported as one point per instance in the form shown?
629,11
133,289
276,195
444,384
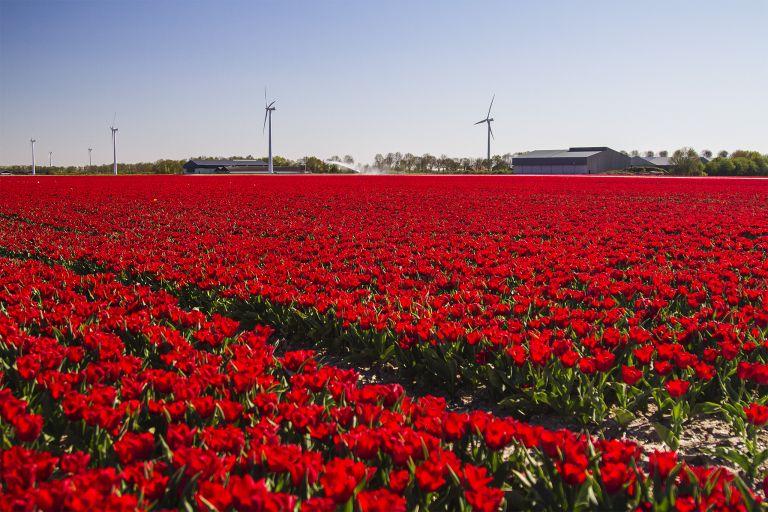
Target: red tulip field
218,343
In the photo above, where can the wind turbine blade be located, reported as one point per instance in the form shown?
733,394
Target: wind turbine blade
491,130
114,118
266,113
270,105
491,105
481,121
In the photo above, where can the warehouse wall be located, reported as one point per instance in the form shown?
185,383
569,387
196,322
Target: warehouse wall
550,169
608,160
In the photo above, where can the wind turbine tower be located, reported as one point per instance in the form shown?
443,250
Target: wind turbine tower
89,158
50,158
269,108
114,148
488,119
32,141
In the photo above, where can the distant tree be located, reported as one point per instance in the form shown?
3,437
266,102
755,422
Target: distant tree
686,162
624,152
664,153
706,153
722,154
281,161
500,163
334,158
428,162
348,159
720,166
315,165
634,153
649,154
407,162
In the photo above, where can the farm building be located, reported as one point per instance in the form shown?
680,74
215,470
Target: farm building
224,166
579,160
235,167
662,162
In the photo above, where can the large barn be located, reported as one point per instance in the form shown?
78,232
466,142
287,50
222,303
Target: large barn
235,167
579,160
224,166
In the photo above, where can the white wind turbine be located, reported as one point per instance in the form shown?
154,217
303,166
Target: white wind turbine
32,141
89,158
268,117
114,148
488,119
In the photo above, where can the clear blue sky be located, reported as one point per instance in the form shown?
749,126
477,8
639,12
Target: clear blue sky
360,77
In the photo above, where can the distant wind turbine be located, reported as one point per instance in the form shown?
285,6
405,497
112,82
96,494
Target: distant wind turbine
268,117
488,120
32,141
50,158
89,157
114,145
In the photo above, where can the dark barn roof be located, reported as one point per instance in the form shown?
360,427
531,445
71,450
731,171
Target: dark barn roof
570,156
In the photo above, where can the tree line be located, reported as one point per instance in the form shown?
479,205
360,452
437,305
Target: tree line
410,163
166,166
688,162
683,162
158,167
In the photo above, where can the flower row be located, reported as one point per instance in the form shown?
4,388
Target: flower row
144,404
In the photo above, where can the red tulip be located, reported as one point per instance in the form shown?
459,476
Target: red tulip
380,500
756,414
677,388
631,375
28,426
662,463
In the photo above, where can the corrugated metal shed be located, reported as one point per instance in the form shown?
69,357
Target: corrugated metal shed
213,166
575,160
224,163
560,153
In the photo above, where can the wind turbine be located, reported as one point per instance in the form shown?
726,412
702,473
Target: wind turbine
488,120
50,157
89,158
114,148
268,116
32,141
